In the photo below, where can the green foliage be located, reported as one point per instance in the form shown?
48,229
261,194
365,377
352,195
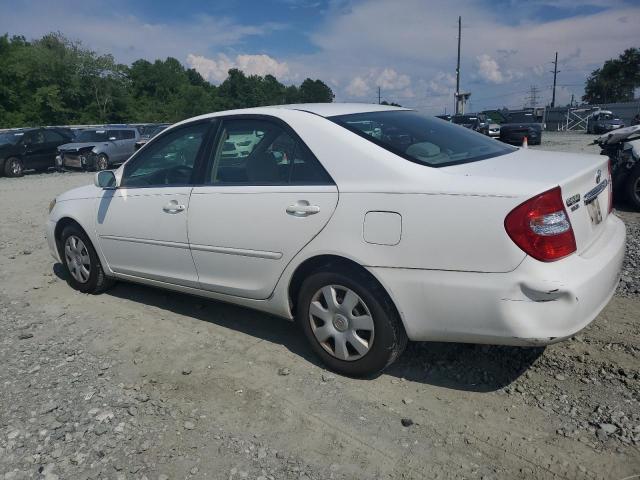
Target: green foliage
616,80
54,81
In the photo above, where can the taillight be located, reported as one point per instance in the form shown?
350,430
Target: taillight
541,227
610,188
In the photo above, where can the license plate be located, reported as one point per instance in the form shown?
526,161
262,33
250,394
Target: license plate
594,211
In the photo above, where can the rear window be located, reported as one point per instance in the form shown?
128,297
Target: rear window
422,139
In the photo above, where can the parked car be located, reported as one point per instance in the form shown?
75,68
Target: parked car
445,117
98,149
603,121
30,148
474,121
440,233
494,130
148,133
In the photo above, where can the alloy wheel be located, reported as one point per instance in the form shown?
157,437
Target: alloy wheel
102,163
341,322
16,167
78,260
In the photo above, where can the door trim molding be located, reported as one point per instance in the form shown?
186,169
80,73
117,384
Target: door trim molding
202,248
238,251
148,241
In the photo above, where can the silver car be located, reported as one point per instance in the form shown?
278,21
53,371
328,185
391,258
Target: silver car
98,148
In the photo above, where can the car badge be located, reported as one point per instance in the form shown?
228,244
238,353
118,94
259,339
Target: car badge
598,176
573,199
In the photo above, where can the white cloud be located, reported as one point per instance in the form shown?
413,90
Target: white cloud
215,69
358,87
389,79
489,69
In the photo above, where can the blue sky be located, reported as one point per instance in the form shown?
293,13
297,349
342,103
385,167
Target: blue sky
406,47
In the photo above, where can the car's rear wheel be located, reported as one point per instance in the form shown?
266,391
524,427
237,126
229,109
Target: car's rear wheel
85,272
350,323
633,187
102,162
13,167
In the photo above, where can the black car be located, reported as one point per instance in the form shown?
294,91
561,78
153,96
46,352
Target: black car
515,126
473,121
29,149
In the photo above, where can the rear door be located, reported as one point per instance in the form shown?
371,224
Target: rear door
263,198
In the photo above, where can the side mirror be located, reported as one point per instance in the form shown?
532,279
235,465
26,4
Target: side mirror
106,180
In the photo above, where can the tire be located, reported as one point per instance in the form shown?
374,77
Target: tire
13,167
632,187
102,163
81,262
382,338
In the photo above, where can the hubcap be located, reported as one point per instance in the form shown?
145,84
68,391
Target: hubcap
341,322
102,163
16,168
78,260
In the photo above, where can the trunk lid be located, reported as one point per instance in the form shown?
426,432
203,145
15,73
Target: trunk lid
583,180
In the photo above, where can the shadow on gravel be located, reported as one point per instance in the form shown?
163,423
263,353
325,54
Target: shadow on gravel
464,366
458,366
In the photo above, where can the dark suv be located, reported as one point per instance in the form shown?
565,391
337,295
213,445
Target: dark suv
29,149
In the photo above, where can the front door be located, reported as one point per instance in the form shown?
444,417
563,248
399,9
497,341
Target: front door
265,196
142,225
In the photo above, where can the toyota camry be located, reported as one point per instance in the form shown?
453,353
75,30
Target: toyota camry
369,225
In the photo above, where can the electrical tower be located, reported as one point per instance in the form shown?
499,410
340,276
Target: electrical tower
534,95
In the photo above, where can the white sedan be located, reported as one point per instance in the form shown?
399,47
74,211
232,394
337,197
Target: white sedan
369,225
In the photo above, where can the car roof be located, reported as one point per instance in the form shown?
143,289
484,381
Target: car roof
321,109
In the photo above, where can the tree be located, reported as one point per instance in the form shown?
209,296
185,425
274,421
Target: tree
55,81
315,91
616,80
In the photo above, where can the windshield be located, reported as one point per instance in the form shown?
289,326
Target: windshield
422,139
92,136
10,138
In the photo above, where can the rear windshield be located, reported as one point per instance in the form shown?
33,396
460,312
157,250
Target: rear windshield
421,138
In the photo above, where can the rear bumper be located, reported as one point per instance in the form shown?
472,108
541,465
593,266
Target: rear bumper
536,304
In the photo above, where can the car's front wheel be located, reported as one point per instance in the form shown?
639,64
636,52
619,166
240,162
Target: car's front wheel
102,162
84,270
350,323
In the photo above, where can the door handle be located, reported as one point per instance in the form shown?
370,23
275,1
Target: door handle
302,209
173,207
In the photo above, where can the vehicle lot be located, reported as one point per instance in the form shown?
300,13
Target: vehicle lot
142,383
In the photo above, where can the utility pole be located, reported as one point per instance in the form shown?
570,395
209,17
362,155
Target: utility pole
555,74
458,64
378,95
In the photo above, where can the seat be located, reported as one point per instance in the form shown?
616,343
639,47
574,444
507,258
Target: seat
263,168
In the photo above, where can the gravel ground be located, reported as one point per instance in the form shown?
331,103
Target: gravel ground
138,383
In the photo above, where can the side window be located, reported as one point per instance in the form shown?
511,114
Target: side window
259,152
52,137
127,134
34,138
112,135
169,160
